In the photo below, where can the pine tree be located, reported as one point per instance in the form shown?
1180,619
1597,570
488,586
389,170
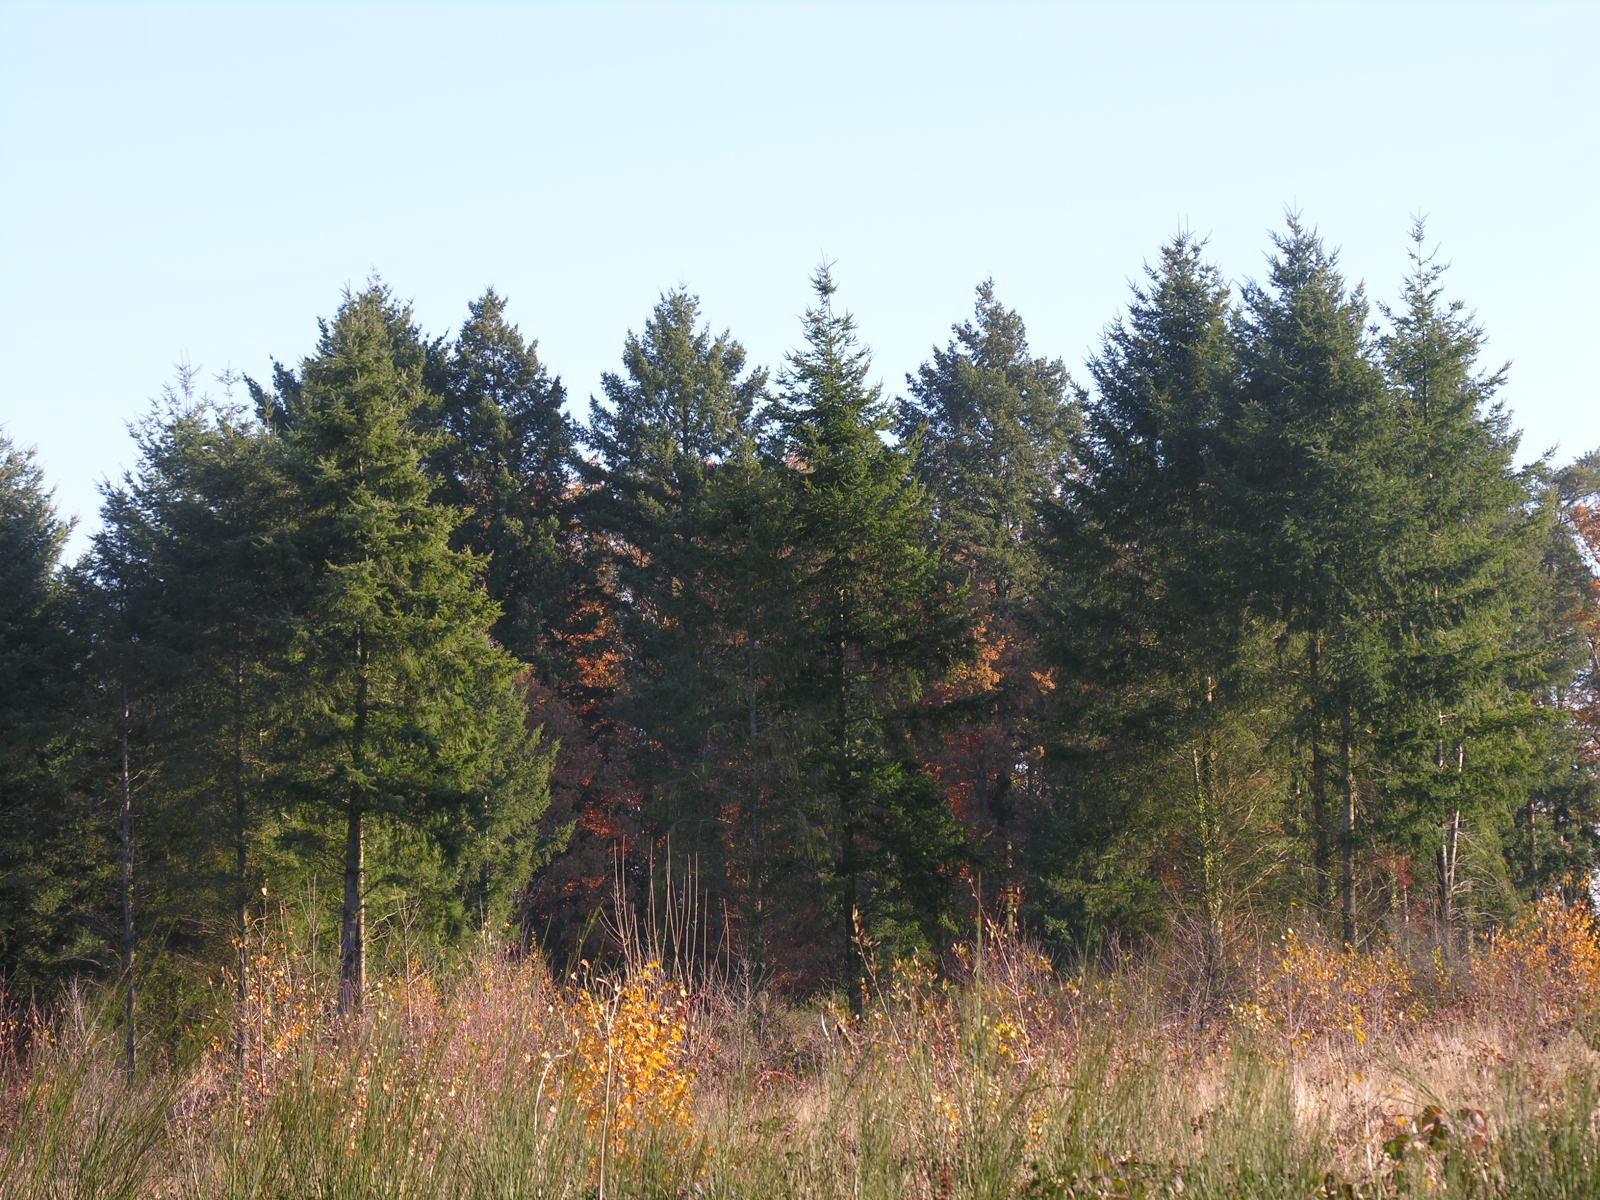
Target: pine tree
875,616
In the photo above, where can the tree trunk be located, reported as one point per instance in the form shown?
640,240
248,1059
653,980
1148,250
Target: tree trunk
849,865
1449,850
242,895
353,917
1347,833
1322,851
352,937
125,823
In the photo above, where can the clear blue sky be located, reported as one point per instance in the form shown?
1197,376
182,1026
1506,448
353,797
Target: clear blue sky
199,181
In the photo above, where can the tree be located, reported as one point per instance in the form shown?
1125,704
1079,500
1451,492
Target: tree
52,845
677,439
407,721
1457,726
993,428
992,425
187,591
1157,659
876,614
506,465
1315,459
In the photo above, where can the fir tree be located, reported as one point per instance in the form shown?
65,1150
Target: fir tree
506,465
53,849
875,616
1156,658
992,425
406,715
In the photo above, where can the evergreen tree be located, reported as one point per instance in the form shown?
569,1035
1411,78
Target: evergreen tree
875,616
992,425
677,439
1315,464
993,428
506,465
1158,663
407,722
53,848
190,594
1457,726
1554,843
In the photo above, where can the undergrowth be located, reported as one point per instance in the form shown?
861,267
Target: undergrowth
1329,1073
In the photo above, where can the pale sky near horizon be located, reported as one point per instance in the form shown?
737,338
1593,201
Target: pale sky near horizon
198,181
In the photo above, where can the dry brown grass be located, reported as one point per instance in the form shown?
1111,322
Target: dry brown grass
995,1076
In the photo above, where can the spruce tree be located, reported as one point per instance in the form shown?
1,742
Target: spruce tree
190,594
1458,727
677,440
54,850
1315,457
993,428
1157,660
992,424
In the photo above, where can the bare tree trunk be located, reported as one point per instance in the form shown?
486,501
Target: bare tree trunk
126,827
1449,850
353,917
1347,833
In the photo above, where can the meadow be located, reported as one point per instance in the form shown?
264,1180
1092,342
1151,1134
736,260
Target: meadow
1303,1069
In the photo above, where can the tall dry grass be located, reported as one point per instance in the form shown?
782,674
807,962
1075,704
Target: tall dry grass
1317,1072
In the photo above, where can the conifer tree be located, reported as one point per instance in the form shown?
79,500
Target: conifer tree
677,439
53,849
1459,729
1315,459
506,465
993,425
876,614
190,595
993,428
407,721
1156,657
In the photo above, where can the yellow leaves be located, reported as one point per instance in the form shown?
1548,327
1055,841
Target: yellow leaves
629,1068
1549,961
1313,990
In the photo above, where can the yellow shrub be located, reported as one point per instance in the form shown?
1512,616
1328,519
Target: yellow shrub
1550,961
629,1068
1313,991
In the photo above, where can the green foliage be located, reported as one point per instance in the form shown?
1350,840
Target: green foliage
1161,709
402,711
875,614
49,838
505,465
992,426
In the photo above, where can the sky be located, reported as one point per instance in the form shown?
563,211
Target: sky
198,182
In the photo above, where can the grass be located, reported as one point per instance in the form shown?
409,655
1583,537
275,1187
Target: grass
1327,1074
